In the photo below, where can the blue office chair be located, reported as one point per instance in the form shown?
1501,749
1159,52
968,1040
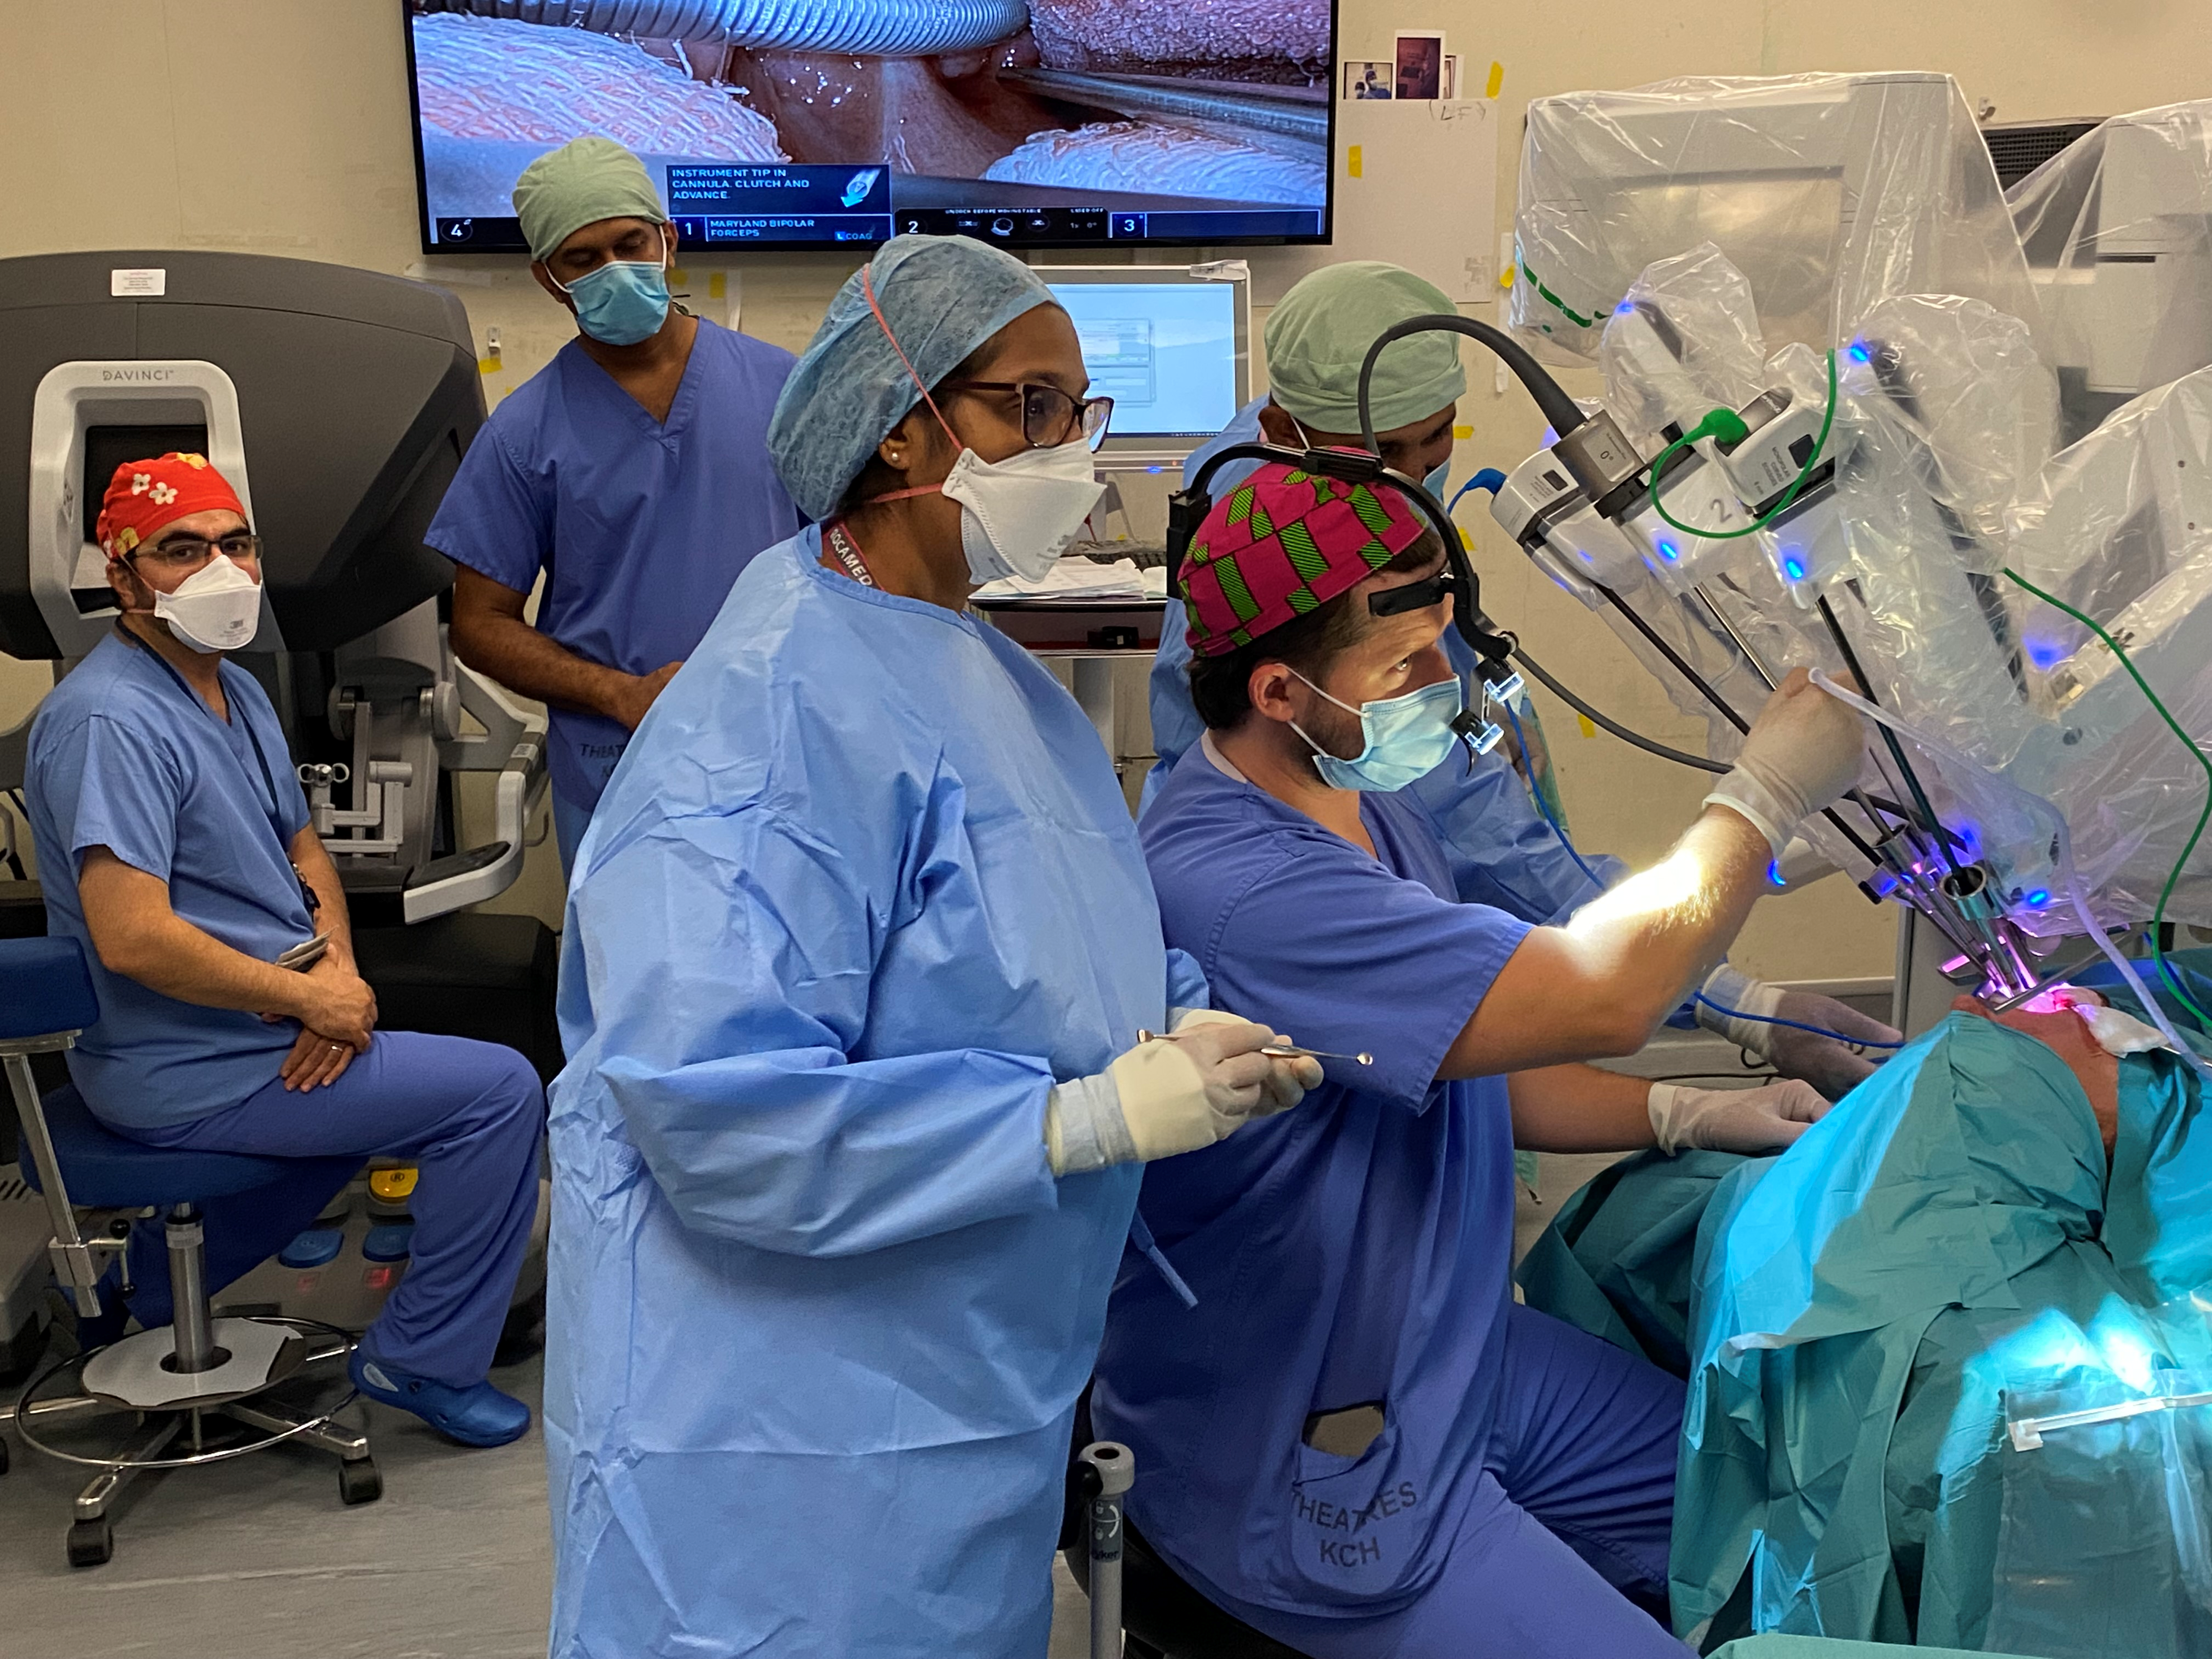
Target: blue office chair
197,1368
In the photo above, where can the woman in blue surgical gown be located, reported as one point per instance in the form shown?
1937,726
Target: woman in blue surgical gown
859,945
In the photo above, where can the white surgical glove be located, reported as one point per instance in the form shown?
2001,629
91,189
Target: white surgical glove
1762,1120
1801,755
1830,1064
1287,1080
1173,1095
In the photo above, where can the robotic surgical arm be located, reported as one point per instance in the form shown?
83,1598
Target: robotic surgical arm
1886,508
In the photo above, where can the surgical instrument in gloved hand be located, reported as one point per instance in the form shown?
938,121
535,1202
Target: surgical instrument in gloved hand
1164,1097
1286,1051
1280,1050
1284,1088
1801,754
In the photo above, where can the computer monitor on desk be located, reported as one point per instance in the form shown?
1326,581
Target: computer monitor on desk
1170,344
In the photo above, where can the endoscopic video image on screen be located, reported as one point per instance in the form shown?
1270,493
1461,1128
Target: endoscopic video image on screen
798,122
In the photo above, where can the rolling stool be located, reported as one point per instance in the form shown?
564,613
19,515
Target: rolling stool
1163,1615
199,1366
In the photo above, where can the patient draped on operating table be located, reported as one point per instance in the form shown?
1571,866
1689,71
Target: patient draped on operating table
2007,1212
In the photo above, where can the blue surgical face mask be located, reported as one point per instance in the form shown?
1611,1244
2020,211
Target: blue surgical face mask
1408,737
622,301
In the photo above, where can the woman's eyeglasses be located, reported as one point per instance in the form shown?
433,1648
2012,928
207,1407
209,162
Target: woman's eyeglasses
1050,416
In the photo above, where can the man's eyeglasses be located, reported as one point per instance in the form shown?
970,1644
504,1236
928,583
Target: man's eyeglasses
183,554
1050,416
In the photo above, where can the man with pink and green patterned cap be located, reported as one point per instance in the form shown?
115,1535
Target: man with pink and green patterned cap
1359,1443
1495,821
1246,572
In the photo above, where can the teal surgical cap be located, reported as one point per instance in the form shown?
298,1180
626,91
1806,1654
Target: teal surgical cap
580,184
942,296
1318,335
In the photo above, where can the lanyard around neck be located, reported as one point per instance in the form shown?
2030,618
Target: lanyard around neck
846,552
245,723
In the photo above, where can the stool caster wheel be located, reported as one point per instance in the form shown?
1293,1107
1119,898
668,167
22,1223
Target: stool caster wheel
3,1457
360,1482
91,1543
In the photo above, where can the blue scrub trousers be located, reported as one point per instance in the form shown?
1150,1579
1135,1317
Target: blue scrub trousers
468,1115
1575,1505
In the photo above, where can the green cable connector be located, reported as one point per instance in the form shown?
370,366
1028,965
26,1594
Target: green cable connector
1728,426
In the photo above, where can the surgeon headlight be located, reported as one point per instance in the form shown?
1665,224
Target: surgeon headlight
1413,596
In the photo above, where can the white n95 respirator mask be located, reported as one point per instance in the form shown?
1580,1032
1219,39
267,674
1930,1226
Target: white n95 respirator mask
216,608
1017,516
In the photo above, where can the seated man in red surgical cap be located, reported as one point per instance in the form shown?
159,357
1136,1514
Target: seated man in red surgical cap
174,842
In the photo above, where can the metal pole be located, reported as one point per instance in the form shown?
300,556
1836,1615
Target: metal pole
74,1264
195,1332
1109,1470
1681,665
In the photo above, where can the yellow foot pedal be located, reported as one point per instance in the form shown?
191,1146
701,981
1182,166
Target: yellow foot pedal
393,1186
388,1192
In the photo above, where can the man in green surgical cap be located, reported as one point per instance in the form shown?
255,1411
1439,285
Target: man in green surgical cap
632,472
1316,338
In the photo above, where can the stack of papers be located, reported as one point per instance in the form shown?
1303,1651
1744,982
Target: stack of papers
1081,578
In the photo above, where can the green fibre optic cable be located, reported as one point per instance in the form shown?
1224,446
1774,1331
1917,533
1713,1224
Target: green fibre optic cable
1728,426
2158,919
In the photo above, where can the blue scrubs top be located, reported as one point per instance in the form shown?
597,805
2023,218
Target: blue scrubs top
640,526
1355,1250
124,756
1502,852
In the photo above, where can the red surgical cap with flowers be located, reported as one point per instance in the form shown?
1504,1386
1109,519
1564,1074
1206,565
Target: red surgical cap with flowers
145,497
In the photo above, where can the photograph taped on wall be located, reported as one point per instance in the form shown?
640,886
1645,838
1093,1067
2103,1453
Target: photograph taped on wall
1367,80
1420,60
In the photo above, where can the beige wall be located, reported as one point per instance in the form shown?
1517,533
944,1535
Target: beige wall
280,126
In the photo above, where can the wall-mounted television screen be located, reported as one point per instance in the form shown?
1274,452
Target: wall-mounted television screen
807,123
